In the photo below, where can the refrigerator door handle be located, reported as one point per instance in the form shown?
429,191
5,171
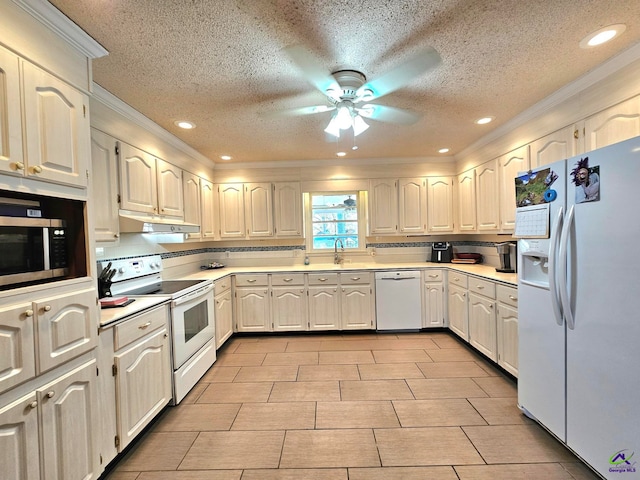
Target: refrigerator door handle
564,290
553,253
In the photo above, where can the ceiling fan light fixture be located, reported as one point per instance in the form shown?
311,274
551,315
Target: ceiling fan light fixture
359,125
343,118
333,128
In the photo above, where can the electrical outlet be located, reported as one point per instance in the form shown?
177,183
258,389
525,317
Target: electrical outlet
227,254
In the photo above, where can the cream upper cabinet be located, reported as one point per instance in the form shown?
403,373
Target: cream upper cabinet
104,186
138,186
207,209
397,206
466,186
192,204
440,204
556,146
56,126
11,154
287,201
231,202
487,203
258,209
383,207
170,194
612,125
509,166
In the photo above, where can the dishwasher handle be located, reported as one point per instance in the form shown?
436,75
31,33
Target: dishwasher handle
395,279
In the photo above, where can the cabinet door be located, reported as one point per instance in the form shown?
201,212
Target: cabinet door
68,408
104,186
208,205
288,209
56,128
231,200
143,384
324,308
433,305
191,187
458,311
252,309
467,201
259,209
509,166
412,205
138,188
553,147
356,307
508,338
383,207
223,317
439,204
19,452
66,327
17,345
170,198
613,125
482,325
289,308
11,154
487,203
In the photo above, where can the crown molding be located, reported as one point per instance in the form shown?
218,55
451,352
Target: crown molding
57,22
335,162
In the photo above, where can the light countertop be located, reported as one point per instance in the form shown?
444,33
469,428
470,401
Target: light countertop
112,315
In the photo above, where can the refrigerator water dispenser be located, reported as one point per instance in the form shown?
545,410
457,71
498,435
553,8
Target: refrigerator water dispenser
533,267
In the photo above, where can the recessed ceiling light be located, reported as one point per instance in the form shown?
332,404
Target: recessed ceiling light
602,36
341,154
355,147
443,150
225,157
484,120
184,124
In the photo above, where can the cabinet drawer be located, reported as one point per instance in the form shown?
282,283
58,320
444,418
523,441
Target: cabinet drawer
459,279
482,287
433,275
355,278
138,326
222,285
508,295
252,280
287,279
323,279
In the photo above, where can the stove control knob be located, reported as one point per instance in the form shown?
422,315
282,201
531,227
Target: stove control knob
121,270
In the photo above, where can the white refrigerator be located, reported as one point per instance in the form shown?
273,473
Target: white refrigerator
578,225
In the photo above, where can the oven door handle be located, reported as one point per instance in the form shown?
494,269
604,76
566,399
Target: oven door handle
195,294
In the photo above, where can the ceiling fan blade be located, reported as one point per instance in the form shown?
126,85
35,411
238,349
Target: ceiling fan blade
313,72
401,75
382,113
294,112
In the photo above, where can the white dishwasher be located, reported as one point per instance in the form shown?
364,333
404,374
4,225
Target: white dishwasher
398,300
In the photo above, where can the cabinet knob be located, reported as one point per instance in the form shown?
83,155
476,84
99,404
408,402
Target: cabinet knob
433,276
287,279
323,279
251,280
355,279
166,335
479,287
51,394
144,325
28,313
33,404
116,235
513,298
491,305
47,308
19,166
37,169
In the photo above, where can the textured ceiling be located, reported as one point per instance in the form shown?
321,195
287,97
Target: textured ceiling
220,64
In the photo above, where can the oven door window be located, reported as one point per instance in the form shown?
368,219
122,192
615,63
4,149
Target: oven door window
22,250
195,320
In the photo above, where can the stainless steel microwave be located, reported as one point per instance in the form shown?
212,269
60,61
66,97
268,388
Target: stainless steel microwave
31,250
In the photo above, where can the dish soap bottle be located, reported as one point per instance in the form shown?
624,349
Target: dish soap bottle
306,259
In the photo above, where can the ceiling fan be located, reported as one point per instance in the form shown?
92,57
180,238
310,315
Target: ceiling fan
349,93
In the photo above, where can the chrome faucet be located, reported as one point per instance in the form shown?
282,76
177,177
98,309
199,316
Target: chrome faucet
337,256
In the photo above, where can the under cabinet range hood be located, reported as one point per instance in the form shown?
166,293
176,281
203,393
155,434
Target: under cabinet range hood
142,224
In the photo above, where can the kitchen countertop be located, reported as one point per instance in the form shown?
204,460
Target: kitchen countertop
112,315
473,269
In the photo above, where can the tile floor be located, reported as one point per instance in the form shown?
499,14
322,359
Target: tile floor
352,406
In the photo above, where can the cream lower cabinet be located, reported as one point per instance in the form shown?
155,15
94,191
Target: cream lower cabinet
433,298
357,303
223,310
252,302
142,370
289,302
482,316
507,323
458,310
324,301
61,445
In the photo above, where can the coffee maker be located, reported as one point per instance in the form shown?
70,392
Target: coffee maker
507,256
